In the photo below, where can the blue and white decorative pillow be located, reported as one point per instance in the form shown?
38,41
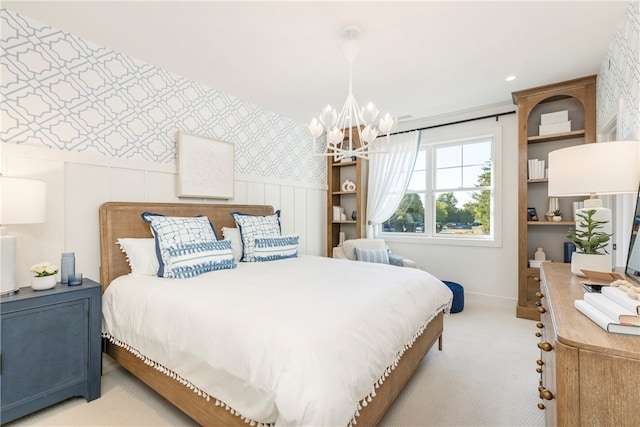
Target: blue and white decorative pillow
171,231
380,256
273,248
254,226
193,259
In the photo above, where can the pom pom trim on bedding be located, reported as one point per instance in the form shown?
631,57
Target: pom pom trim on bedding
288,376
354,421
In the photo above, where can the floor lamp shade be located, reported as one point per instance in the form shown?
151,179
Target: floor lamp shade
22,201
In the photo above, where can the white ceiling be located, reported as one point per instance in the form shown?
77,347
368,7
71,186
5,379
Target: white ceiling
422,59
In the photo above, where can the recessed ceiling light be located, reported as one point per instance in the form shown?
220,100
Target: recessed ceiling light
510,78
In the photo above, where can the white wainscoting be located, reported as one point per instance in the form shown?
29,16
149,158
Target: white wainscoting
78,183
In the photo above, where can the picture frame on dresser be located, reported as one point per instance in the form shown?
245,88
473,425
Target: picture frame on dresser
205,166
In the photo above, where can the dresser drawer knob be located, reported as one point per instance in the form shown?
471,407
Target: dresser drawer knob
541,310
539,370
539,294
538,334
546,395
539,362
539,325
540,405
545,346
536,279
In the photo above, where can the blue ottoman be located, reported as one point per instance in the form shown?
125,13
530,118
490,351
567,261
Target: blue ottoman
458,296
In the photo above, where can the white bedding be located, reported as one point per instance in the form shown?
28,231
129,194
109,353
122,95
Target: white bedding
299,341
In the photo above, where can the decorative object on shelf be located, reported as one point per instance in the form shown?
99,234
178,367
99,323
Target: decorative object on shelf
348,186
22,201
332,124
338,212
354,215
552,123
531,214
557,215
539,255
591,244
68,266
341,238
536,169
594,169
44,275
554,204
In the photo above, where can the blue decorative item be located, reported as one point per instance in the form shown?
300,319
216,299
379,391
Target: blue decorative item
67,266
458,296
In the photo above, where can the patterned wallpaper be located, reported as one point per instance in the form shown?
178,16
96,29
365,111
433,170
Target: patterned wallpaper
62,92
619,76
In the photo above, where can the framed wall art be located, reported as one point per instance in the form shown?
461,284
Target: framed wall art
205,166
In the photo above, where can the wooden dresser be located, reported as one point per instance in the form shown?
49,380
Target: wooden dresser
587,375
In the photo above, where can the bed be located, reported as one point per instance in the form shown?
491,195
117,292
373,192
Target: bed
203,402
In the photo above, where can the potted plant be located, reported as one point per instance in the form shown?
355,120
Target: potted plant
557,215
591,243
44,275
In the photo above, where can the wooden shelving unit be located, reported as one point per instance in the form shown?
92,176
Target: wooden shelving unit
337,173
579,98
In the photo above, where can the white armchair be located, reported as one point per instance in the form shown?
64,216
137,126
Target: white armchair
348,251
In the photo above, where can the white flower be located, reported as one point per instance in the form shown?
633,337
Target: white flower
44,269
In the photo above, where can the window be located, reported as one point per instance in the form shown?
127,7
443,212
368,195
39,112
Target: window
452,193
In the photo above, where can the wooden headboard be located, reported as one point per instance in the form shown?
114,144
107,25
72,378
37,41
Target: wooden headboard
123,219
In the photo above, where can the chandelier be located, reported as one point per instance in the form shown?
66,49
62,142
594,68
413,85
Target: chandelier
334,125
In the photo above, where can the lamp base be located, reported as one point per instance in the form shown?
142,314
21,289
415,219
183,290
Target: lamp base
8,263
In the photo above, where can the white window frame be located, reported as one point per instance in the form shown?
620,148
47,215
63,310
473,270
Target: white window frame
430,138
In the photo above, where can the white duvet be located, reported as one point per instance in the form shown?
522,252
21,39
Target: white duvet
299,341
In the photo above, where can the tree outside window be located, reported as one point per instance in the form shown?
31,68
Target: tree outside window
450,193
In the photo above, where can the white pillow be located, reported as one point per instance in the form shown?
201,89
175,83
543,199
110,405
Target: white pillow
233,234
141,255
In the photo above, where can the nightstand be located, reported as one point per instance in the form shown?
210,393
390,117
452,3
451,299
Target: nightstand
50,347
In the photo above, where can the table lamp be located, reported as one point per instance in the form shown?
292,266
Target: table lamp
593,169
22,201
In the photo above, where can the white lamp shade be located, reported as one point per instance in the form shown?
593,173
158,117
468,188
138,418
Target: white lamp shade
595,168
22,201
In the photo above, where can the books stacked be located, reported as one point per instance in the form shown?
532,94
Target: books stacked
612,309
536,169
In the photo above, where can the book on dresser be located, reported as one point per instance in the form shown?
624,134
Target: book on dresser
607,313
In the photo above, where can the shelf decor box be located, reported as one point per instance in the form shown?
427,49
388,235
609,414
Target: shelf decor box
553,128
553,118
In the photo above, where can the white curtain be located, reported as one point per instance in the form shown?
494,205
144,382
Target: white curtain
389,175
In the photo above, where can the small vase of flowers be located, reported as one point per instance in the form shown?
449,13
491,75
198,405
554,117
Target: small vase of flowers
44,276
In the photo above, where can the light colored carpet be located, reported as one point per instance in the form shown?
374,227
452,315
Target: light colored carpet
485,376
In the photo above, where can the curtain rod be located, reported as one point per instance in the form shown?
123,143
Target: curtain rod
457,122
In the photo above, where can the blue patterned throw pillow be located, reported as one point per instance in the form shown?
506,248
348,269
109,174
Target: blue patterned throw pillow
273,248
171,231
380,256
193,259
254,226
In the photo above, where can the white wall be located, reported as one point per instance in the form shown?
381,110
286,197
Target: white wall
78,183
487,271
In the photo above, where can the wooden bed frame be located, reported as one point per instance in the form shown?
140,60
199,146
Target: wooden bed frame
122,219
